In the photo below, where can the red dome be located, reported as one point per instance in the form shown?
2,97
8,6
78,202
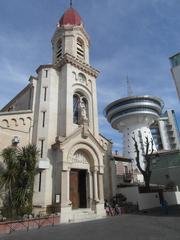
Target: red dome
71,16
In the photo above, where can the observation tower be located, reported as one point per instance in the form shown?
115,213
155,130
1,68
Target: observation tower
132,116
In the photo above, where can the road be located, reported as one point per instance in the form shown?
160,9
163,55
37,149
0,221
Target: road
125,227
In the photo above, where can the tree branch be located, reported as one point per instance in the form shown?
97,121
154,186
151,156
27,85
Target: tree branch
137,157
147,146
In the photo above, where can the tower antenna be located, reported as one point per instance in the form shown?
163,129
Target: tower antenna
70,3
129,87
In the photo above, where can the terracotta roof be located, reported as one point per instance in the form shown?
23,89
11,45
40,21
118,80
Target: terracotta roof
120,158
71,17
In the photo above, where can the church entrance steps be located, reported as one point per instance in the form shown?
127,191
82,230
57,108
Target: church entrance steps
83,214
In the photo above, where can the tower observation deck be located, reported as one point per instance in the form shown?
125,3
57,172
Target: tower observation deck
133,116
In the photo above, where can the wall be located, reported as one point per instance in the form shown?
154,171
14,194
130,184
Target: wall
144,200
176,75
174,131
131,193
172,198
165,169
47,104
15,124
149,200
23,101
109,176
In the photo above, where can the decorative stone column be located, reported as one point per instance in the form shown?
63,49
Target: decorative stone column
65,188
98,185
101,188
95,185
66,209
90,180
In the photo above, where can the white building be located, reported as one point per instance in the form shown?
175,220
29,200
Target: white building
57,111
165,169
165,132
175,69
133,116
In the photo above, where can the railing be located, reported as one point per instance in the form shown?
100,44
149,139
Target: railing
26,224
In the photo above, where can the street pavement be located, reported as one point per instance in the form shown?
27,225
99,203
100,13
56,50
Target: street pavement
124,227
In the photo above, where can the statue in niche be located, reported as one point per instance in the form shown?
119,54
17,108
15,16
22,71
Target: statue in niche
82,110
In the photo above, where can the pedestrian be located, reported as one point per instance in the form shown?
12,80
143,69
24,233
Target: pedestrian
117,210
164,205
107,208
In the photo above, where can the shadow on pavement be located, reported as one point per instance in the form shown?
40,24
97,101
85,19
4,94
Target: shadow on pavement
170,211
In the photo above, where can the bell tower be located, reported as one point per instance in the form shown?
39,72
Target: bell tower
66,123
77,79
70,38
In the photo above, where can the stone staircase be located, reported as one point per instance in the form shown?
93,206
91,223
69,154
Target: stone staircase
82,215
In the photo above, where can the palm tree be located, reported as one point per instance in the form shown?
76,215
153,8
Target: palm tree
27,158
8,175
17,178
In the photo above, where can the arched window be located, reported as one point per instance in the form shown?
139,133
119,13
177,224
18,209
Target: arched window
5,123
82,78
80,108
80,48
75,108
59,50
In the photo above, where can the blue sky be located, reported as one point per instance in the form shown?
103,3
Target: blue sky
128,37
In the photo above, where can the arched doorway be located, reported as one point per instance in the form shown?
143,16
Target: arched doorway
79,179
78,188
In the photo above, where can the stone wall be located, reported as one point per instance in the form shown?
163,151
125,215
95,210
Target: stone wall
15,124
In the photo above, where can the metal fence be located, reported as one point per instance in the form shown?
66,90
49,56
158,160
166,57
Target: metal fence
29,223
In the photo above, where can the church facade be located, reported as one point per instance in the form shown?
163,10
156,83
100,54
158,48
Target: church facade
57,111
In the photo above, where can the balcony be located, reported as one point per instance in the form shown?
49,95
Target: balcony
175,60
170,131
173,145
172,139
169,125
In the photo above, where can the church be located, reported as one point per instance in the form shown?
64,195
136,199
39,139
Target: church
57,111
